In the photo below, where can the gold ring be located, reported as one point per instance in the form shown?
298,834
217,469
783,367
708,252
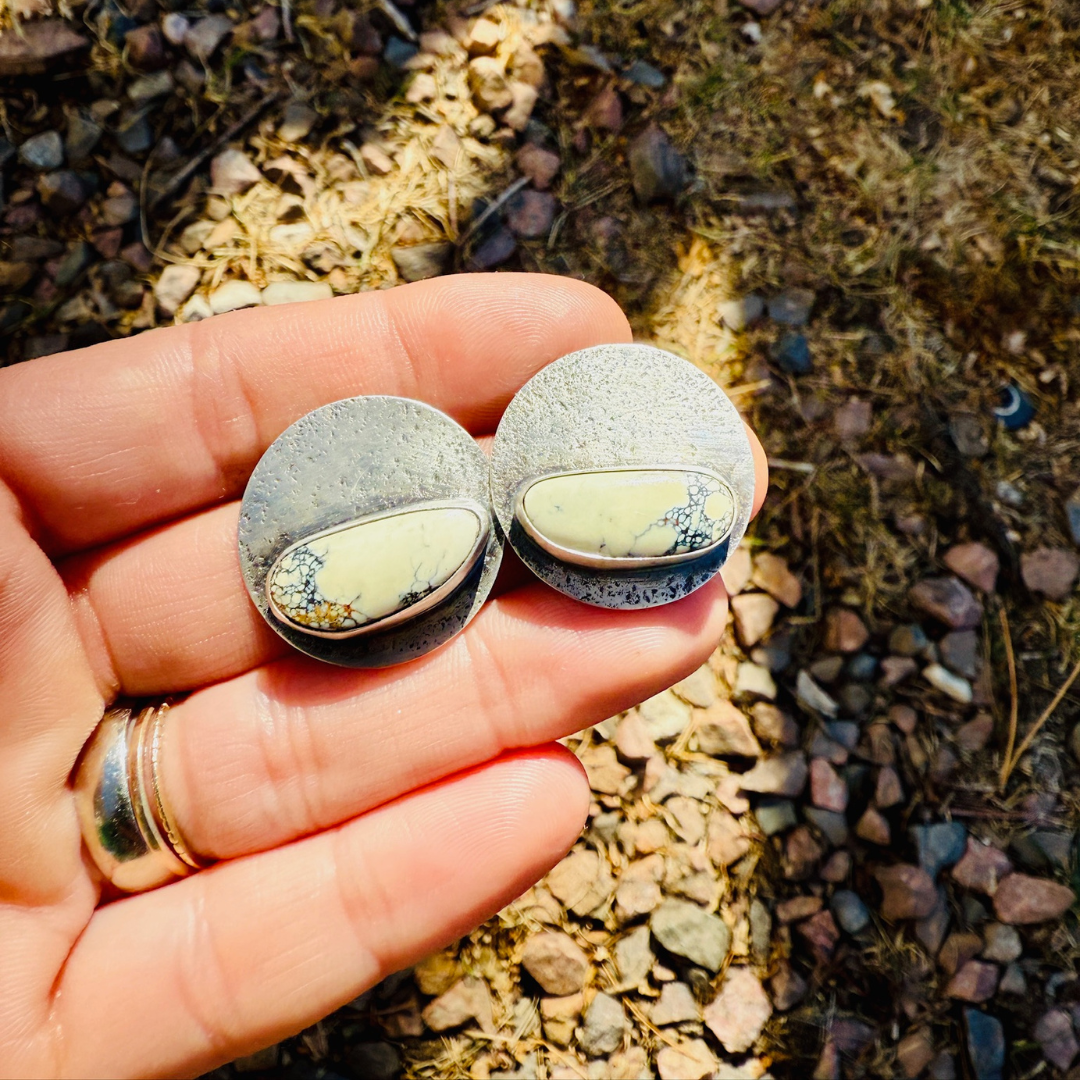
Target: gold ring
126,824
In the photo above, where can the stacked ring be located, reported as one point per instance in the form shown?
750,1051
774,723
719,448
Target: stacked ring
126,824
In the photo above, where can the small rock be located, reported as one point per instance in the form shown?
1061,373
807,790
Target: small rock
754,615
494,251
39,46
913,1053
151,87
723,731
852,420
687,931
787,986
975,563
969,435
232,295
792,306
604,1026
975,981
909,892
62,192
849,910
792,354
1003,943
908,640
530,213
176,284
949,600
556,962
830,823
754,680
727,840
761,8
775,816
739,1012
644,74
418,262
665,715
120,209
953,686
489,84
810,695
539,165
523,100
737,314
1023,899
888,790
1050,571
772,574
975,734
468,999
773,725
737,571
827,789
982,868
634,956
43,152
175,27
958,949
691,1060
939,845
399,52
296,292
145,48
1072,513
802,853
698,688
483,38
297,122
632,738
582,881
83,134
796,908
232,172
783,775
821,934
605,111
837,868
985,1044
1044,850
960,652
676,1005
1054,1033
203,37
376,160
874,828
657,169
1013,981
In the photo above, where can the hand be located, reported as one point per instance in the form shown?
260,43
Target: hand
361,819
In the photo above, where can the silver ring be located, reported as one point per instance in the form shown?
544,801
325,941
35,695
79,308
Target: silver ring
126,823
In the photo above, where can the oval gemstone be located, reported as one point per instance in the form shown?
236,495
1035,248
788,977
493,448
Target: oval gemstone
636,516
380,570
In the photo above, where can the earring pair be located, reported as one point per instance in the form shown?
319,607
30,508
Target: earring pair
372,529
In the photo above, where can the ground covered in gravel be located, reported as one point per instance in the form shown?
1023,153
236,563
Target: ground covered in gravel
846,846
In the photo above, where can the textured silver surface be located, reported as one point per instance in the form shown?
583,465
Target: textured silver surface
348,460
620,406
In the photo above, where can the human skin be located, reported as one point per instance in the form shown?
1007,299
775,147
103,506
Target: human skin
358,819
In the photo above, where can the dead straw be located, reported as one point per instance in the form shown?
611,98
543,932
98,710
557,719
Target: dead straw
1014,700
1037,726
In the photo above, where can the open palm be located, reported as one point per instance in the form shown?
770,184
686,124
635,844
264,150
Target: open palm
359,819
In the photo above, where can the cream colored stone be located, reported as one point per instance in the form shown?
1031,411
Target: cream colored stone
627,514
342,581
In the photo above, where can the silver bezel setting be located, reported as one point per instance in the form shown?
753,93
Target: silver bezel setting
620,407
616,562
360,459
432,600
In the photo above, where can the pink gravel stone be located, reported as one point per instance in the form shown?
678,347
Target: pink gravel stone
1021,898
975,563
982,867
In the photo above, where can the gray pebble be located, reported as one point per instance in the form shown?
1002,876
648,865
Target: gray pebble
44,151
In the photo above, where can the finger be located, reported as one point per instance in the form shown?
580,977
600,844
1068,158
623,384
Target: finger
50,703
176,419
235,958
296,747
168,610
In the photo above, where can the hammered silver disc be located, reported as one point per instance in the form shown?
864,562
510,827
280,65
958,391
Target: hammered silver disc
620,407
359,459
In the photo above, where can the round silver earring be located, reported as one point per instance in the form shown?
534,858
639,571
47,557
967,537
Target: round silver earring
366,531
622,476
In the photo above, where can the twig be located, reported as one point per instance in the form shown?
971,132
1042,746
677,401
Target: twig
286,19
199,159
509,193
1037,726
1014,700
